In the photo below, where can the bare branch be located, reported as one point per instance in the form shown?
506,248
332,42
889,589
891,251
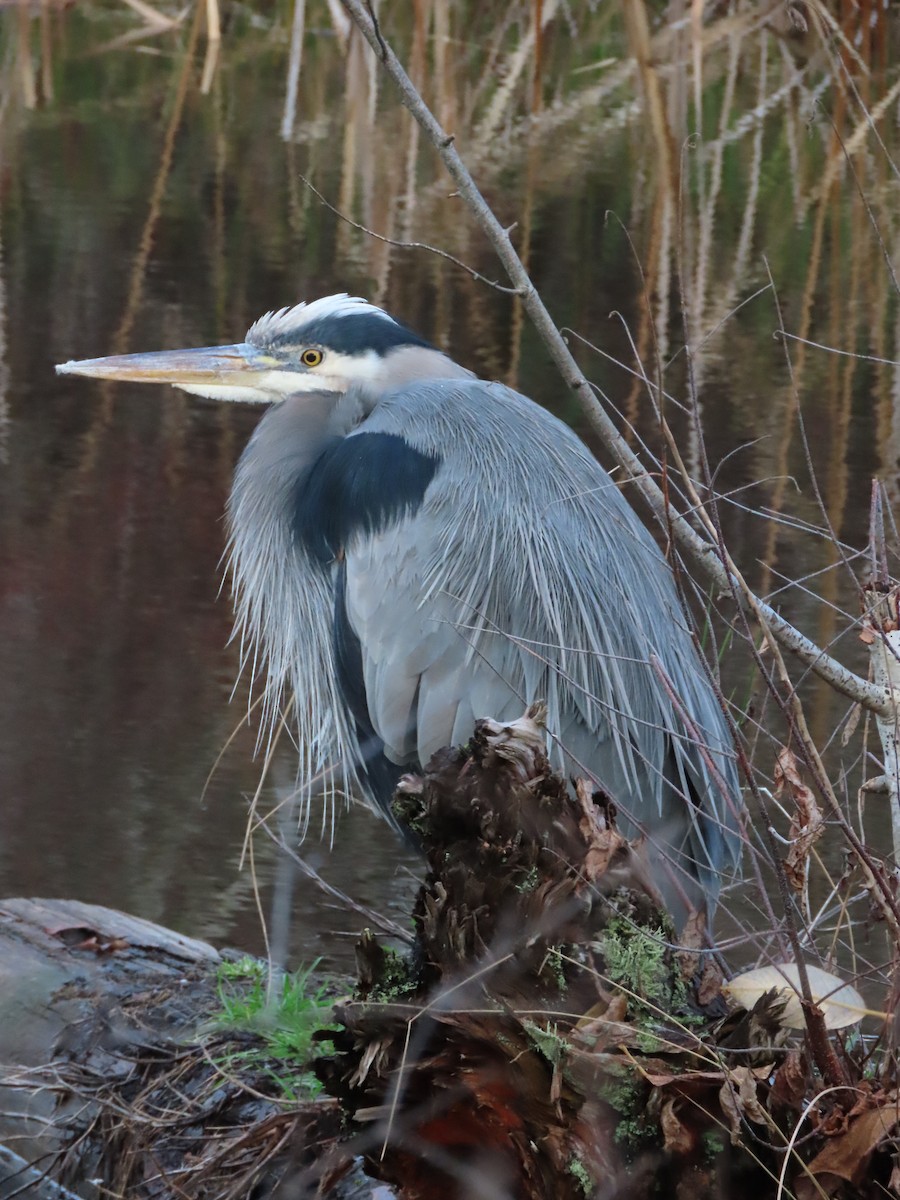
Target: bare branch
712,559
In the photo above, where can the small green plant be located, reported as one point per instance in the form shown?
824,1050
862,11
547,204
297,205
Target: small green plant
626,1094
528,881
284,1016
555,963
396,977
713,1145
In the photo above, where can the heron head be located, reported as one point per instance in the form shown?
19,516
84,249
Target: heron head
329,345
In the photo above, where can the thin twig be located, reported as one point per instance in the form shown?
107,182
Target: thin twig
380,237
385,924
716,564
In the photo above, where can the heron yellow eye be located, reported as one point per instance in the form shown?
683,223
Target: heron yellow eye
311,358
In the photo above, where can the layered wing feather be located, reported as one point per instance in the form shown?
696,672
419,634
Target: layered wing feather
524,574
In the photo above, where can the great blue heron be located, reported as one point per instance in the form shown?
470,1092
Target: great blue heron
413,548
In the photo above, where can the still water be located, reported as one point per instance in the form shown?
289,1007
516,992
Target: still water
152,196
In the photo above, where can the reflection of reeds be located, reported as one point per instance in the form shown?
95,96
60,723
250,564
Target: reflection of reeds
23,57
4,368
556,139
298,28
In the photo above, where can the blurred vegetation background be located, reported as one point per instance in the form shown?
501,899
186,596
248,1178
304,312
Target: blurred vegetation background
683,177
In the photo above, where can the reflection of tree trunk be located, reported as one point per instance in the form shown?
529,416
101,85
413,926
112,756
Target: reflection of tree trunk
23,57
785,439
121,338
294,61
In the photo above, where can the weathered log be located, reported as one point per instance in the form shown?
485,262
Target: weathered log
106,1087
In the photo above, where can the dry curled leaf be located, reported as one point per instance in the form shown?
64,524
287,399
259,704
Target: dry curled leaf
677,1138
746,1082
840,1002
789,1087
711,980
692,940
740,1103
807,823
844,1159
731,1111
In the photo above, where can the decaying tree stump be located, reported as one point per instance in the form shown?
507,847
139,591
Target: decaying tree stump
520,1049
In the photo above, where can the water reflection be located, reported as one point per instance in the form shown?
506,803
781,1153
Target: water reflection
144,204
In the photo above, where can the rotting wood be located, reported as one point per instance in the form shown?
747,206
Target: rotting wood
545,1038
108,1074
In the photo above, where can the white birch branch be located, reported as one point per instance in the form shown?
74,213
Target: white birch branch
882,631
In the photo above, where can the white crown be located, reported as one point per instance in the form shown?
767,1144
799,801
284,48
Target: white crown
289,320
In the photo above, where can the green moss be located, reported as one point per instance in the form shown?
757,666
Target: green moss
547,1041
580,1174
557,967
528,881
396,977
625,1092
409,811
637,959
713,1145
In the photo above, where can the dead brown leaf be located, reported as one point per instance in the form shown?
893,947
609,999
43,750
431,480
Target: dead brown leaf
790,1083
731,1110
746,1079
692,940
605,846
845,1157
603,841
600,1035
711,980
687,1082
613,1009
807,823
677,1138
739,1100
776,988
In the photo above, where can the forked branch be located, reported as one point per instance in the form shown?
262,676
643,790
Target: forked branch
707,553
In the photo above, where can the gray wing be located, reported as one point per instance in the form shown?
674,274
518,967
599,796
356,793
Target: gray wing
427,676
524,575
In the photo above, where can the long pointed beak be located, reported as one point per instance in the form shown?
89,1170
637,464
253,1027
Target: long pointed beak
228,365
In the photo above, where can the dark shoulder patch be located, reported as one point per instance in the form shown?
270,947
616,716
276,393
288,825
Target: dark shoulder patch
359,484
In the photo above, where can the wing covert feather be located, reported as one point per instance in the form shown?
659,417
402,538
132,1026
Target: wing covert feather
524,574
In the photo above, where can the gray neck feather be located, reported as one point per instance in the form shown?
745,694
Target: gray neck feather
283,603
407,364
